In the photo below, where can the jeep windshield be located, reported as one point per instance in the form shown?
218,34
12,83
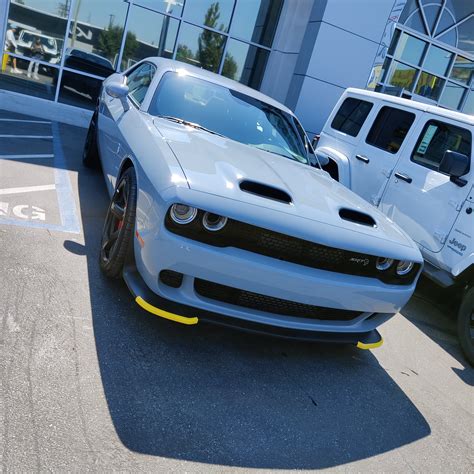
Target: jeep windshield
223,111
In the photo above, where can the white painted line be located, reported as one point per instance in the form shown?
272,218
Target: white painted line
28,189
22,157
26,136
24,121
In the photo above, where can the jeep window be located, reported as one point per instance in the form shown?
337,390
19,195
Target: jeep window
138,82
230,113
390,129
351,116
438,137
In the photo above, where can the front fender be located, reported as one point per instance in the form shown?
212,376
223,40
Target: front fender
341,160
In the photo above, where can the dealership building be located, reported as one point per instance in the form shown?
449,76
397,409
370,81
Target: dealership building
304,53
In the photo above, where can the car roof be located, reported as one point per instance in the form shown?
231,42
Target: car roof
413,104
173,65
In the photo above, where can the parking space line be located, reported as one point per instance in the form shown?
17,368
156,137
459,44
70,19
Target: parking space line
27,189
27,136
24,121
24,157
66,202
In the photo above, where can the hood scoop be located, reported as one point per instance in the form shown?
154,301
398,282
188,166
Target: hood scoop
265,191
357,217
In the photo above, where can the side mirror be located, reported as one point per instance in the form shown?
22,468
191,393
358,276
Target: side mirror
456,165
118,90
314,141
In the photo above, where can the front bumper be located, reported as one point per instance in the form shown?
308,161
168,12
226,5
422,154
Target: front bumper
188,315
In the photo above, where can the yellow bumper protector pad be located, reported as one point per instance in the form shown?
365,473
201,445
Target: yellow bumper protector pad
370,345
165,314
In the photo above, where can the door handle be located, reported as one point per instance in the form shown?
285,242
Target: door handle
405,177
362,158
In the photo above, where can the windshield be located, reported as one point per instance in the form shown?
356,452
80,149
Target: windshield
230,113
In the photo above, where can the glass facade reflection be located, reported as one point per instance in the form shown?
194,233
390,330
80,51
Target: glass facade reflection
431,56
62,49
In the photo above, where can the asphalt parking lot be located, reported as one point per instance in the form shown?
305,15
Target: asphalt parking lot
92,382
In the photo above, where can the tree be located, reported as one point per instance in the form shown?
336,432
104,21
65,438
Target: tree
230,66
210,43
110,40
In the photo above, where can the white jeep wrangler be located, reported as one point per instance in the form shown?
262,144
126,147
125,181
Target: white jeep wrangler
414,162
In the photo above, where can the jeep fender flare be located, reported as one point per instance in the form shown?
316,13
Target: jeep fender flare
341,160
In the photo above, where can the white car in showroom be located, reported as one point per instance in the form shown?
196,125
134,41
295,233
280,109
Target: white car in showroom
220,212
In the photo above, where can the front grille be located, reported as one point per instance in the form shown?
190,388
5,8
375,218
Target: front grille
269,304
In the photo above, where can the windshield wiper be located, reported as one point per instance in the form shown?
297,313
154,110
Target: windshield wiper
189,124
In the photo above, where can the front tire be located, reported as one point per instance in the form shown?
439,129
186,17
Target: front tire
117,235
90,155
466,325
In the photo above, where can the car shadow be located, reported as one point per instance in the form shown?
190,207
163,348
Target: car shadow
212,395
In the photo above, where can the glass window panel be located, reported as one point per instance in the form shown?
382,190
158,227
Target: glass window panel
200,47
410,49
78,90
173,7
445,22
351,116
431,14
410,7
245,63
401,76
149,34
450,38
415,22
390,129
437,60
460,8
466,35
429,86
462,70
438,137
29,20
452,95
212,13
28,77
469,104
256,20
96,30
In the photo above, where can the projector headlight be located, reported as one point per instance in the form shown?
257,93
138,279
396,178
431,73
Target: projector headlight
383,264
213,222
404,267
182,214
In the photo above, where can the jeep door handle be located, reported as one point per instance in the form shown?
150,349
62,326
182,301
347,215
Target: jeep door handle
362,158
405,177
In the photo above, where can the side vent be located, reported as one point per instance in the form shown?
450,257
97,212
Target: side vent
357,217
265,191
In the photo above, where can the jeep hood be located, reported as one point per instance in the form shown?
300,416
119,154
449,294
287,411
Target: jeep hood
217,165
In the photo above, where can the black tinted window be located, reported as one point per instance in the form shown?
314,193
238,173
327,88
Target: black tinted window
436,139
351,116
390,129
139,80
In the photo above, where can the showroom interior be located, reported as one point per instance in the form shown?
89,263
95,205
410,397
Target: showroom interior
303,53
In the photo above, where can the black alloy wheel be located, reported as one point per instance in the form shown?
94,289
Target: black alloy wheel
466,325
90,155
117,235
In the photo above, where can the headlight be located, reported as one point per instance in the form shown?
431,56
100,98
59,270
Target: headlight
404,267
213,222
182,214
383,264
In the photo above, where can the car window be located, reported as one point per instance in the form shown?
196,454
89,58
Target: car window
139,80
390,129
351,116
438,137
228,112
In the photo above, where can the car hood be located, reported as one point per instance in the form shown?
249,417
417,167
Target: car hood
217,165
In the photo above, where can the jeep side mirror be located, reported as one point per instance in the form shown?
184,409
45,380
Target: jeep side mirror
118,90
314,141
456,165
